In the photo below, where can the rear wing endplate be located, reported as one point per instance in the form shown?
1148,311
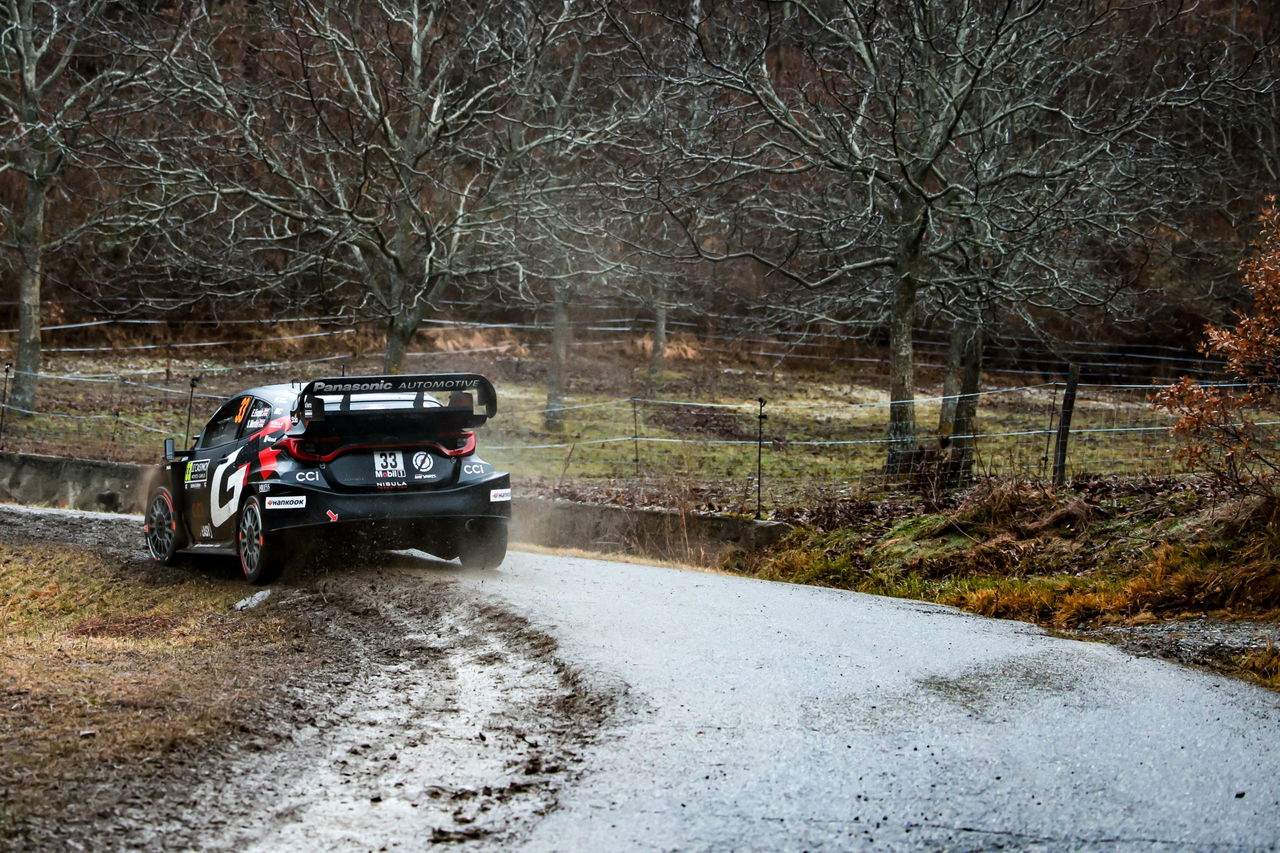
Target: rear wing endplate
468,396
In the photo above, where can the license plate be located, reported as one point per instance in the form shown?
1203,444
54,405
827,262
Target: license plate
388,465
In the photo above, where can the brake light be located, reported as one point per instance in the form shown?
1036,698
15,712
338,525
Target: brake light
305,449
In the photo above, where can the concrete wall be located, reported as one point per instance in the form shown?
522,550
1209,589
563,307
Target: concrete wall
669,535
73,483
663,534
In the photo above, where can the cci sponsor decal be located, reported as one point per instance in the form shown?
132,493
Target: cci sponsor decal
290,502
307,476
496,495
474,468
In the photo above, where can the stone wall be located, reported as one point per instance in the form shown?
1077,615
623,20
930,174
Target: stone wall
669,535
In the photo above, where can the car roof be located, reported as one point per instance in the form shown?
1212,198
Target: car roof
276,395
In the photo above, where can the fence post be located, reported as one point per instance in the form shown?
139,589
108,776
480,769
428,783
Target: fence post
4,402
1048,433
635,433
186,435
760,455
1064,426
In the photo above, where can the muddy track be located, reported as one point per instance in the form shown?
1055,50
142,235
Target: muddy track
427,716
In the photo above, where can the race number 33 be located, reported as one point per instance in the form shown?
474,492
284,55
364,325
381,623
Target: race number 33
388,463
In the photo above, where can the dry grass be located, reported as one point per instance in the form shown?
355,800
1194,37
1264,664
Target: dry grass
1262,667
1017,551
100,668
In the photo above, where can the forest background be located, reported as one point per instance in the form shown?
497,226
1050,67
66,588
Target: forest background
982,171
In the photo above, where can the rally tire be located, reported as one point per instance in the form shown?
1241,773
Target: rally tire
163,526
261,555
483,543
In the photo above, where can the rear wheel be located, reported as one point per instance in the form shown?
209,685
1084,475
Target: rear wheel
482,543
163,527
261,557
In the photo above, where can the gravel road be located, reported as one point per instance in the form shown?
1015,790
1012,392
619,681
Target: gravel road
626,707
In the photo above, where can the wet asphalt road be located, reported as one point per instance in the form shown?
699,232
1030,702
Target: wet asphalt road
764,716
753,716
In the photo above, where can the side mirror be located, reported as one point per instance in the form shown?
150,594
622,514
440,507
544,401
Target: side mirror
168,450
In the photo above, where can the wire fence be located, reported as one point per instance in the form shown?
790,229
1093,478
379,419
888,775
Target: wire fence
781,418
722,455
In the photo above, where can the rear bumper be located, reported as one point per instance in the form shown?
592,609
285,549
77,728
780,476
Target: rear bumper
294,506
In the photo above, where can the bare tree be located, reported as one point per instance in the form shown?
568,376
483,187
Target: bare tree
67,83
393,149
921,152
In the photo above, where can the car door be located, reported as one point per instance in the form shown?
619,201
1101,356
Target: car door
215,473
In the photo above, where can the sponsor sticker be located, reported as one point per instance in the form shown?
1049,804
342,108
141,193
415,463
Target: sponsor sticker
422,462
286,502
206,532
311,476
197,473
392,384
474,468
264,487
496,495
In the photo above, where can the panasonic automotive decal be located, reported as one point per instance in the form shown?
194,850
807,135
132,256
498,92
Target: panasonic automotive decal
321,387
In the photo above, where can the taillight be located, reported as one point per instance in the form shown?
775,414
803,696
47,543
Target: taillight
306,450
301,449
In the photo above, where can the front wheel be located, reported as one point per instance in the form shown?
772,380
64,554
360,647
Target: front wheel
261,558
163,527
482,543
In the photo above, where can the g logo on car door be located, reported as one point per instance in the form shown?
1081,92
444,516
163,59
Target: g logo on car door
225,479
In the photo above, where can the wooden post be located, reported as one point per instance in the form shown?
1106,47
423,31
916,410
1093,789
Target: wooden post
1064,426
760,456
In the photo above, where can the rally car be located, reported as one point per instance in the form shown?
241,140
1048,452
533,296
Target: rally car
387,460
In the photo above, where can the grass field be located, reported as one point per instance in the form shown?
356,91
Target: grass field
692,429
102,663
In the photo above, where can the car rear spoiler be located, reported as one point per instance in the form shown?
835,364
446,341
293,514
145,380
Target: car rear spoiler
471,398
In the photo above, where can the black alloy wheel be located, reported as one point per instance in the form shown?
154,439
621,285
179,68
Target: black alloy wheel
260,556
163,530
483,543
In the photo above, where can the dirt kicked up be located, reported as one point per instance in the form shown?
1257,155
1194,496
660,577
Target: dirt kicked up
381,710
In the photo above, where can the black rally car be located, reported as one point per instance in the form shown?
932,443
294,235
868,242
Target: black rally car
383,460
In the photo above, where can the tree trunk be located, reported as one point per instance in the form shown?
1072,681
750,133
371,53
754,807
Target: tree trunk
659,337
960,332
30,239
960,466
901,435
400,331
553,419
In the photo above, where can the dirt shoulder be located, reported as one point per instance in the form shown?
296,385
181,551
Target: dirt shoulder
374,706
